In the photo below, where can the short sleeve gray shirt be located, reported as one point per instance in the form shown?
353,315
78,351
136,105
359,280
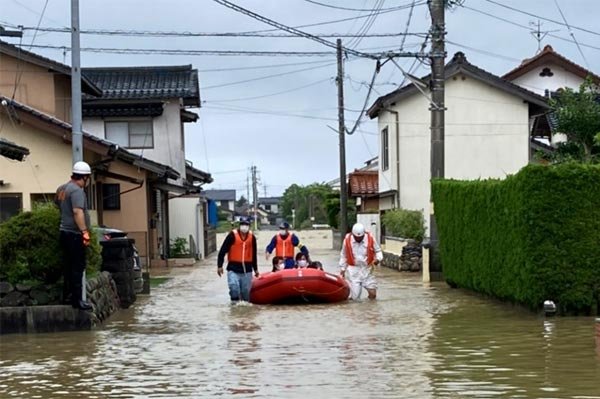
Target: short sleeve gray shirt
68,197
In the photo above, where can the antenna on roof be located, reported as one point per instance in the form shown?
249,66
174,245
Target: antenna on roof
539,34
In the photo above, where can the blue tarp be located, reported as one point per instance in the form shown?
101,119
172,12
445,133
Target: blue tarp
213,217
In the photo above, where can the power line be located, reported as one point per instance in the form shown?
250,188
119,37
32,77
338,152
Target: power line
526,27
356,9
149,33
271,94
571,33
286,28
565,23
261,66
267,76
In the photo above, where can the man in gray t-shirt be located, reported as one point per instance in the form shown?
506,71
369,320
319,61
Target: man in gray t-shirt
74,234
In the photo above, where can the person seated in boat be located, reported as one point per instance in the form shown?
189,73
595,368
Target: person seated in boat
315,265
283,243
278,263
301,260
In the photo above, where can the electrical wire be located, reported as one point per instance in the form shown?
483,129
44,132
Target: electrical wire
565,23
272,94
267,77
571,33
286,28
396,8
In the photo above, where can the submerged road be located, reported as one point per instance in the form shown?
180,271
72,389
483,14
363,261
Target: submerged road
415,341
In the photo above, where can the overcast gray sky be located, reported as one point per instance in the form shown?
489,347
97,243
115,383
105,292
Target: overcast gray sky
280,123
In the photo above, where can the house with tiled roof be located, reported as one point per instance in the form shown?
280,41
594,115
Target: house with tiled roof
487,132
128,190
546,74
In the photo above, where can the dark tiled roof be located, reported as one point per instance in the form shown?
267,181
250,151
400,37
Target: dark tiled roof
197,175
363,183
160,82
548,55
459,64
10,150
14,51
111,148
220,195
269,200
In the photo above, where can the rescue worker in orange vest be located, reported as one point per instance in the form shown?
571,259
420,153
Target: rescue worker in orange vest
283,244
240,248
360,253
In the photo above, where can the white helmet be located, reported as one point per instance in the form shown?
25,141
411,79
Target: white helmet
358,230
82,168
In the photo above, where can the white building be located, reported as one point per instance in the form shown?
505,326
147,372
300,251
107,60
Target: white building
487,133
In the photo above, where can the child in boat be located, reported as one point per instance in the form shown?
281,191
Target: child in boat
278,263
315,265
301,260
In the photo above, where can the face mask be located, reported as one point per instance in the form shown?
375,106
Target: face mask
282,232
244,228
281,266
302,263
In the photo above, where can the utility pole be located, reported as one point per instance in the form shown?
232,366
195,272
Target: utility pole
254,195
342,133
248,193
437,108
76,136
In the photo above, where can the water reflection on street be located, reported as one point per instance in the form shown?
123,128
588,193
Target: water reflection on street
187,341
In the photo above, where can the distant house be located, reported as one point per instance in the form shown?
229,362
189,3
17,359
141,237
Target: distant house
363,187
487,133
225,199
270,204
547,73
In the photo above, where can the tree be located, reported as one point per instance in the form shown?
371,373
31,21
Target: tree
578,117
241,202
307,202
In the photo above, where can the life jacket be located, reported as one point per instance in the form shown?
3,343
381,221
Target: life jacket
370,249
241,250
284,247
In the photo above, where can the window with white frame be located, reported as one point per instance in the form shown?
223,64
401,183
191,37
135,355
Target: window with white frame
130,134
385,149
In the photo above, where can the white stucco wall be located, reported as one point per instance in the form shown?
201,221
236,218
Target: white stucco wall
486,136
187,218
538,84
168,147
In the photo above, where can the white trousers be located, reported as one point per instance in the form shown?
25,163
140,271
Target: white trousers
360,277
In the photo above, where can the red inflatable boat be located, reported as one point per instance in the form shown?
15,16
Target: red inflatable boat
302,285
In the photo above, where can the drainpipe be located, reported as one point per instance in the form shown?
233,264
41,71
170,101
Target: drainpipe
397,118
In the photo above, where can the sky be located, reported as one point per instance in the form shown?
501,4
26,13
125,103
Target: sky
279,113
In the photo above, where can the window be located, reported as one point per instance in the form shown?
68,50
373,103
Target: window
385,149
111,198
10,205
41,198
132,134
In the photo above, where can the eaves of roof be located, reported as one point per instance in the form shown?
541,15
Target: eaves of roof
109,147
459,64
12,151
27,56
546,56
198,175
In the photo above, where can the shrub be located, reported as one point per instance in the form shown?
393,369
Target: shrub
405,224
178,247
531,237
30,249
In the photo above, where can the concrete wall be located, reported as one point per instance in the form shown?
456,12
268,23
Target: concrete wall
186,218
487,132
169,147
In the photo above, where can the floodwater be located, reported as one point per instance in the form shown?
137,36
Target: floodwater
414,341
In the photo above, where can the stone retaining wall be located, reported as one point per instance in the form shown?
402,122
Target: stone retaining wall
410,260
32,310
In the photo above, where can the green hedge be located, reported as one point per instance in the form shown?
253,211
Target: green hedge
404,223
30,250
531,237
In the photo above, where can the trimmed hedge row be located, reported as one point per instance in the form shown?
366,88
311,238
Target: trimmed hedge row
531,237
